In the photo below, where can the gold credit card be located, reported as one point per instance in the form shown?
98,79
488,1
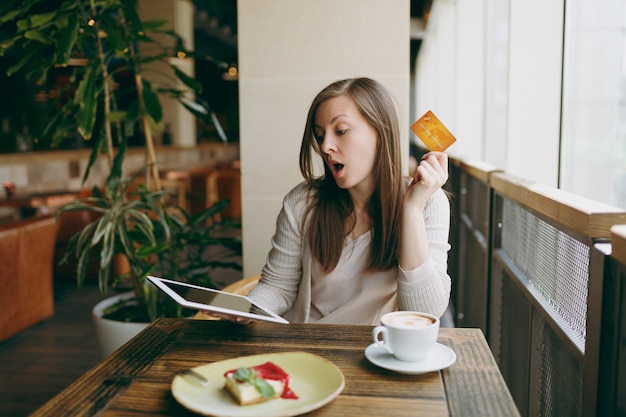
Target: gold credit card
432,132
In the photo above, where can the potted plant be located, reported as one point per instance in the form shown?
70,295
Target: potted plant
136,227
111,103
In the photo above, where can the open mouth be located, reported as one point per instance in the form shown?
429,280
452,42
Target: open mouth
334,166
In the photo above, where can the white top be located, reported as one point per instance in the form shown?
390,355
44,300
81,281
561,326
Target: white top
350,294
292,285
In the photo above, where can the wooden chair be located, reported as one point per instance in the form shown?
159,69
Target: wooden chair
210,185
26,255
178,184
225,183
241,287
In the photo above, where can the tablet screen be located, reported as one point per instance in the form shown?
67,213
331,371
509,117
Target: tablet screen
202,298
211,298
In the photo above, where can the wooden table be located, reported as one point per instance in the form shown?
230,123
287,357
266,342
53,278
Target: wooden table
179,182
8,215
135,380
31,204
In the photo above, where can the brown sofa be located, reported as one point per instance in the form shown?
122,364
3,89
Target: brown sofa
26,253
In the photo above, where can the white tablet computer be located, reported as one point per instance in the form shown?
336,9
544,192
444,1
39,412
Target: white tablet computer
206,299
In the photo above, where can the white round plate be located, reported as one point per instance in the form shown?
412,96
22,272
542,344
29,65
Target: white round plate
315,380
440,358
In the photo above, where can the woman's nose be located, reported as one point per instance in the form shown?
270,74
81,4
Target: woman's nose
328,144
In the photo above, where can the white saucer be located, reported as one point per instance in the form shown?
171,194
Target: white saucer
440,358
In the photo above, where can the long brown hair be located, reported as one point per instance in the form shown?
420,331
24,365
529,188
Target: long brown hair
331,208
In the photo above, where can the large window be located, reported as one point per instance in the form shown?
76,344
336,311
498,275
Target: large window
496,81
593,137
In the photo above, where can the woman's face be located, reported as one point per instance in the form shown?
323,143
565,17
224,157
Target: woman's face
348,142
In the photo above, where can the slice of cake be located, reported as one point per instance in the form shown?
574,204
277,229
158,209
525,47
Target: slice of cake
257,384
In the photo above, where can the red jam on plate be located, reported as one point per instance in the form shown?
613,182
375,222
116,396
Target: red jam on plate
270,370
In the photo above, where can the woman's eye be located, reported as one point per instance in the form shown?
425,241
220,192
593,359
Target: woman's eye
341,132
319,139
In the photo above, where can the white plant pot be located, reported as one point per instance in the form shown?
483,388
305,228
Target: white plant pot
112,334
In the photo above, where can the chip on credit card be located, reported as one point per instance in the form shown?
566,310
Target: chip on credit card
432,132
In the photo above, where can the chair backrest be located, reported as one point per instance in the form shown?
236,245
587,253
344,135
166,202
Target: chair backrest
243,286
225,183
26,254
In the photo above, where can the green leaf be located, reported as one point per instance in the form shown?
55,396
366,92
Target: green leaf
36,35
115,35
84,204
84,238
145,251
191,82
116,116
93,157
83,251
62,21
116,170
154,24
68,5
264,388
198,108
132,18
6,44
108,248
60,127
42,19
83,264
6,15
103,230
244,374
23,25
152,102
69,248
103,279
144,225
88,102
26,59
123,235
67,40
207,213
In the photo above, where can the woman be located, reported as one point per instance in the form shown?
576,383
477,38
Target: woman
362,239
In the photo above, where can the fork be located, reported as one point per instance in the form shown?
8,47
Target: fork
194,377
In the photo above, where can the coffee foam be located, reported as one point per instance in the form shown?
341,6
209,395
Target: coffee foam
410,320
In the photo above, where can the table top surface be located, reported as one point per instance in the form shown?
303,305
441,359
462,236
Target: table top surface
39,199
136,380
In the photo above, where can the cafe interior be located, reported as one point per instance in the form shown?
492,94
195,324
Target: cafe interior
533,92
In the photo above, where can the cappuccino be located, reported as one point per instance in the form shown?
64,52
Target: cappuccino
408,335
411,320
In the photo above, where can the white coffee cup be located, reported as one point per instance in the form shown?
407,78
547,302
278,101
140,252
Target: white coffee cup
408,335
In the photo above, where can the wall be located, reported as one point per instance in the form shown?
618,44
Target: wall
288,51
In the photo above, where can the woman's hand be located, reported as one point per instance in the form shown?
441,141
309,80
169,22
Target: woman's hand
229,317
431,174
